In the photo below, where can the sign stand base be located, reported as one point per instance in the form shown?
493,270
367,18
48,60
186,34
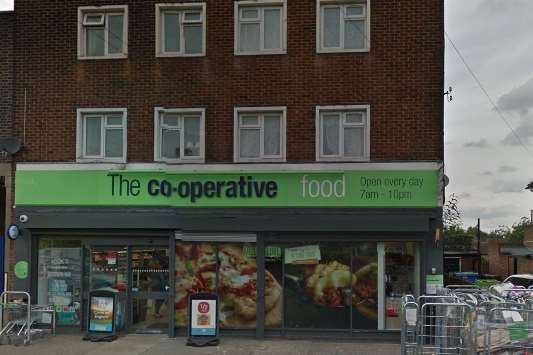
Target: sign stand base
202,341
100,337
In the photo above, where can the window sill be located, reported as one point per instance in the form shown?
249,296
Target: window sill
339,50
260,160
122,56
180,161
260,53
172,55
96,160
342,159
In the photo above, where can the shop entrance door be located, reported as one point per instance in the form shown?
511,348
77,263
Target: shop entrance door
150,285
108,270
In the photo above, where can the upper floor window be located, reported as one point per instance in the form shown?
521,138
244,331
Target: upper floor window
260,27
343,133
101,135
343,26
180,29
260,134
102,32
179,135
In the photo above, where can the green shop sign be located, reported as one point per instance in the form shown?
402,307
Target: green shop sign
371,188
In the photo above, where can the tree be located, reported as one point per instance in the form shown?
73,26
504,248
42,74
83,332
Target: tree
451,214
513,234
530,186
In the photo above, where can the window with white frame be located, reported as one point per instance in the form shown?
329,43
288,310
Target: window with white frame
180,29
343,26
260,27
343,133
259,134
179,135
101,135
102,32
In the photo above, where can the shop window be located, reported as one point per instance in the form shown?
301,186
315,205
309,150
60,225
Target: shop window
59,279
179,135
102,32
343,27
343,133
101,135
180,29
331,286
273,288
260,134
228,269
260,29
401,278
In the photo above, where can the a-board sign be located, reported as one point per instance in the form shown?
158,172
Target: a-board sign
203,315
101,312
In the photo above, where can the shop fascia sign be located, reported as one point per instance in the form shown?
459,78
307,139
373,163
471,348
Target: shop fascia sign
344,188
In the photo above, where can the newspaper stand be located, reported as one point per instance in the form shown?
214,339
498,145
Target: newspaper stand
102,316
203,320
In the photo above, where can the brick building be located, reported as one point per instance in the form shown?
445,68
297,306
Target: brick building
6,125
236,147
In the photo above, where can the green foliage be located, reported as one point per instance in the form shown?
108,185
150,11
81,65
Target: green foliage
513,234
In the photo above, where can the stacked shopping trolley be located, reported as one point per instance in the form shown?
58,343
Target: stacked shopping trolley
21,322
468,320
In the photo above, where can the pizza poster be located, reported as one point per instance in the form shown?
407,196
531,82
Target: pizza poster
101,314
203,317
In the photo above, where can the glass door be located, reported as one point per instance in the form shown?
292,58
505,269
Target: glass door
108,270
149,289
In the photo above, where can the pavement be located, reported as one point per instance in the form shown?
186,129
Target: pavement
72,344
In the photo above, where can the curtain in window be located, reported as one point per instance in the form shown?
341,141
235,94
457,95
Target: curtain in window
249,143
332,27
272,29
93,136
272,134
249,36
330,136
191,136
170,143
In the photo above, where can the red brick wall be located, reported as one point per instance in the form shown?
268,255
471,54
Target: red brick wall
401,78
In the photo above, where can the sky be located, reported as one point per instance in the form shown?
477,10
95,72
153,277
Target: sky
487,166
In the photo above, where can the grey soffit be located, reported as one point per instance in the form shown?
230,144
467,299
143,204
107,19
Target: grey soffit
230,220
517,251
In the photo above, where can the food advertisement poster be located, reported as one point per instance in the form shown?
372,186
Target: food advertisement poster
434,283
101,314
203,317
230,271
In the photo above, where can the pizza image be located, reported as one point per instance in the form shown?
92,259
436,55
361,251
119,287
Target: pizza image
238,290
197,265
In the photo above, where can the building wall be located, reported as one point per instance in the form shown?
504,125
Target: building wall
401,78
7,20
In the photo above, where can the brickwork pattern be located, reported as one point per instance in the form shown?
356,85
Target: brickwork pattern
401,78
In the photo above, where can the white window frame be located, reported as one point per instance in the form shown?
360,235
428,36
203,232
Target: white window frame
81,136
157,134
342,109
159,28
238,111
106,11
320,4
261,4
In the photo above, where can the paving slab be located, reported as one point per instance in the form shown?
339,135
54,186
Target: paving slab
72,344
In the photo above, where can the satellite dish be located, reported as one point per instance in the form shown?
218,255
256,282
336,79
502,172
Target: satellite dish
10,145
